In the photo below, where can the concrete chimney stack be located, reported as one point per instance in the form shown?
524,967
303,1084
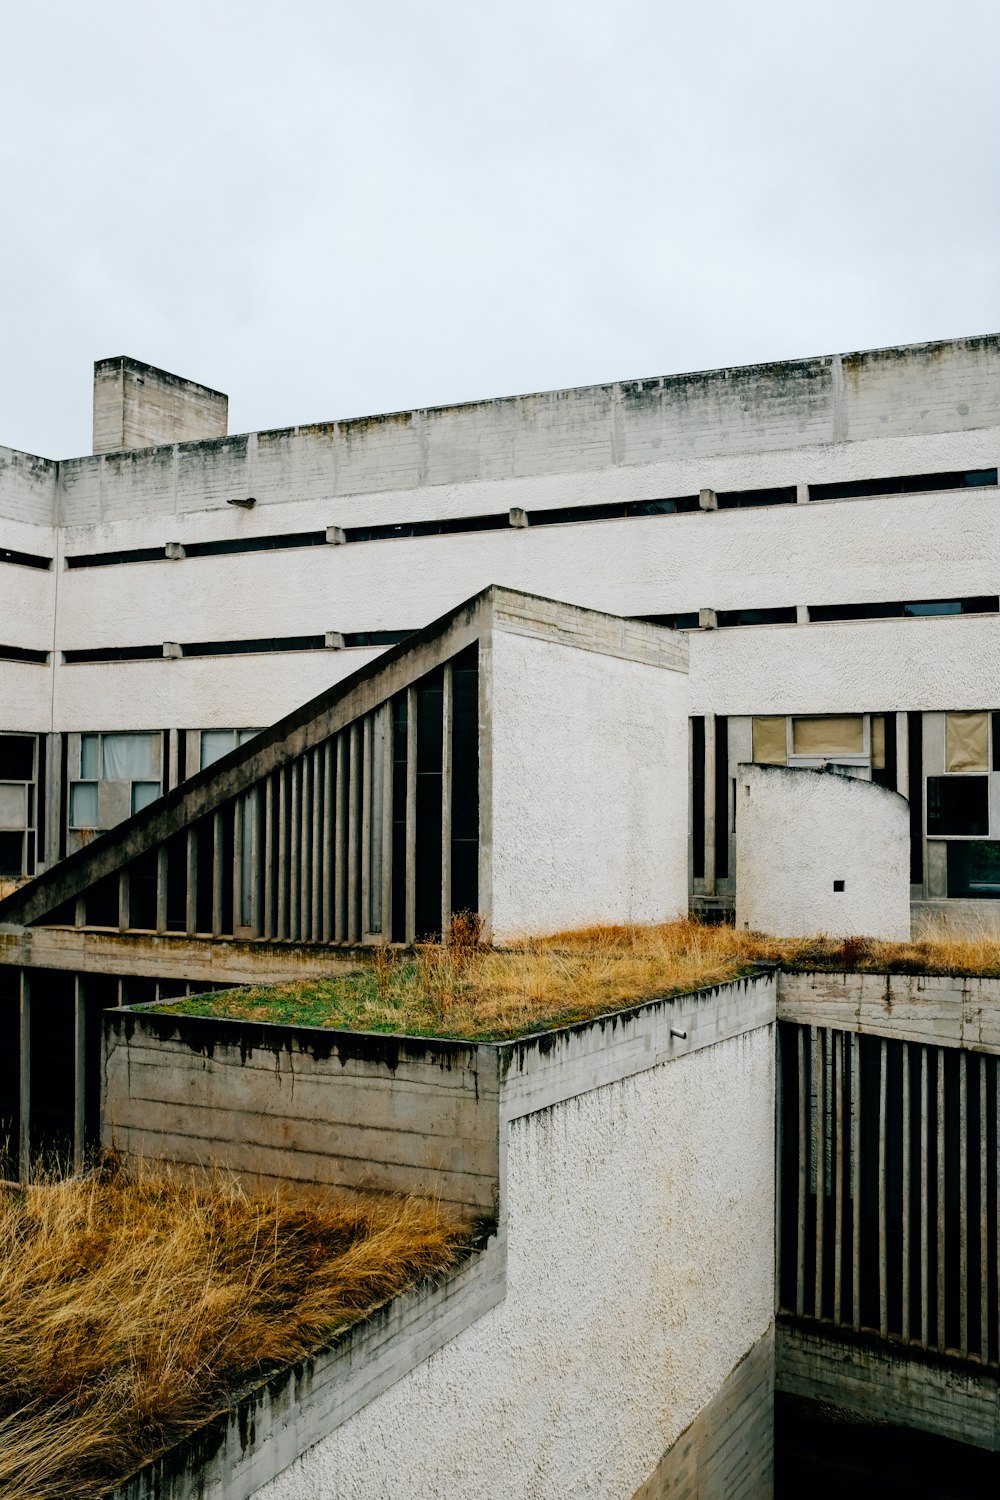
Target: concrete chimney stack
139,406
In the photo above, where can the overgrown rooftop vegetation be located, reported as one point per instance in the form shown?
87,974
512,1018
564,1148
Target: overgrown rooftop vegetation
468,990
131,1311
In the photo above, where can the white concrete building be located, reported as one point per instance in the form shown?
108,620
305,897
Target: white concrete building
825,530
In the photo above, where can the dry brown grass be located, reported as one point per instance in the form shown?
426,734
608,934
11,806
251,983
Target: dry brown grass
466,989
131,1311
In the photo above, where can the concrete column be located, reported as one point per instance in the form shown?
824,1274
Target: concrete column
270,857
191,894
367,734
281,855
123,901
340,871
217,848
161,888
411,814
354,815
51,791
902,755
329,834
316,843
295,853
79,1074
446,767
386,831
709,804
24,1122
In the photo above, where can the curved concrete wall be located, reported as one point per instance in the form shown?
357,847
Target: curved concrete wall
800,834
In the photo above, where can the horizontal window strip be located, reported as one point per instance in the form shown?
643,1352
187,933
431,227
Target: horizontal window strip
616,510
255,544
980,604
23,653
748,499
450,526
686,620
781,615
112,559
24,559
903,484
257,645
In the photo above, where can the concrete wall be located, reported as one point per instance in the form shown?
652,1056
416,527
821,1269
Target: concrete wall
936,1010
799,834
631,1338
589,780
301,1104
139,406
864,1376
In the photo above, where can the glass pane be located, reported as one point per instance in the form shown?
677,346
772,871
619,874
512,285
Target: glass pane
966,742
17,757
974,870
958,805
143,793
129,757
215,743
829,736
878,742
769,742
83,804
242,735
89,745
11,854
13,806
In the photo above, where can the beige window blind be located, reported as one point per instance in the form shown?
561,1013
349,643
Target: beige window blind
829,737
769,744
966,742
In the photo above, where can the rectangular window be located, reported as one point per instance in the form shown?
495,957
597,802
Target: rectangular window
90,759
974,870
967,742
958,806
11,853
769,741
698,797
83,804
829,737
17,757
915,755
215,743
128,757
13,805
143,793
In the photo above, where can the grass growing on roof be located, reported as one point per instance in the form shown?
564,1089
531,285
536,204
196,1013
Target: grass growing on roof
131,1311
472,991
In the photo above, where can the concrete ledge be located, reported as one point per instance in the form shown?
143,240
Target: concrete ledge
907,1387
727,1453
272,1423
551,1066
939,1010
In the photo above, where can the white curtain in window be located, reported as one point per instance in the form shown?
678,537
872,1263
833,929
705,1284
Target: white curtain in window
215,743
129,757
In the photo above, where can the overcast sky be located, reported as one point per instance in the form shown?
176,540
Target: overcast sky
330,209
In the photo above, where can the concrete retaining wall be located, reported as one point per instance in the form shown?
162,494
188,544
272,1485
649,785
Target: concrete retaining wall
860,1374
616,1334
305,1104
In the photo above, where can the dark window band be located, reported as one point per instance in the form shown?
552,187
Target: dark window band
903,484
24,559
980,604
23,653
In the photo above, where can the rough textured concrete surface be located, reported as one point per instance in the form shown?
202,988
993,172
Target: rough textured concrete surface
589,775
818,852
640,1274
139,406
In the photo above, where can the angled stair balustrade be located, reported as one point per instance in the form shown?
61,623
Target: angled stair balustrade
353,820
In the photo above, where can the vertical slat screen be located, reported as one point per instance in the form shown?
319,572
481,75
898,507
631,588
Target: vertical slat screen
888,1180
